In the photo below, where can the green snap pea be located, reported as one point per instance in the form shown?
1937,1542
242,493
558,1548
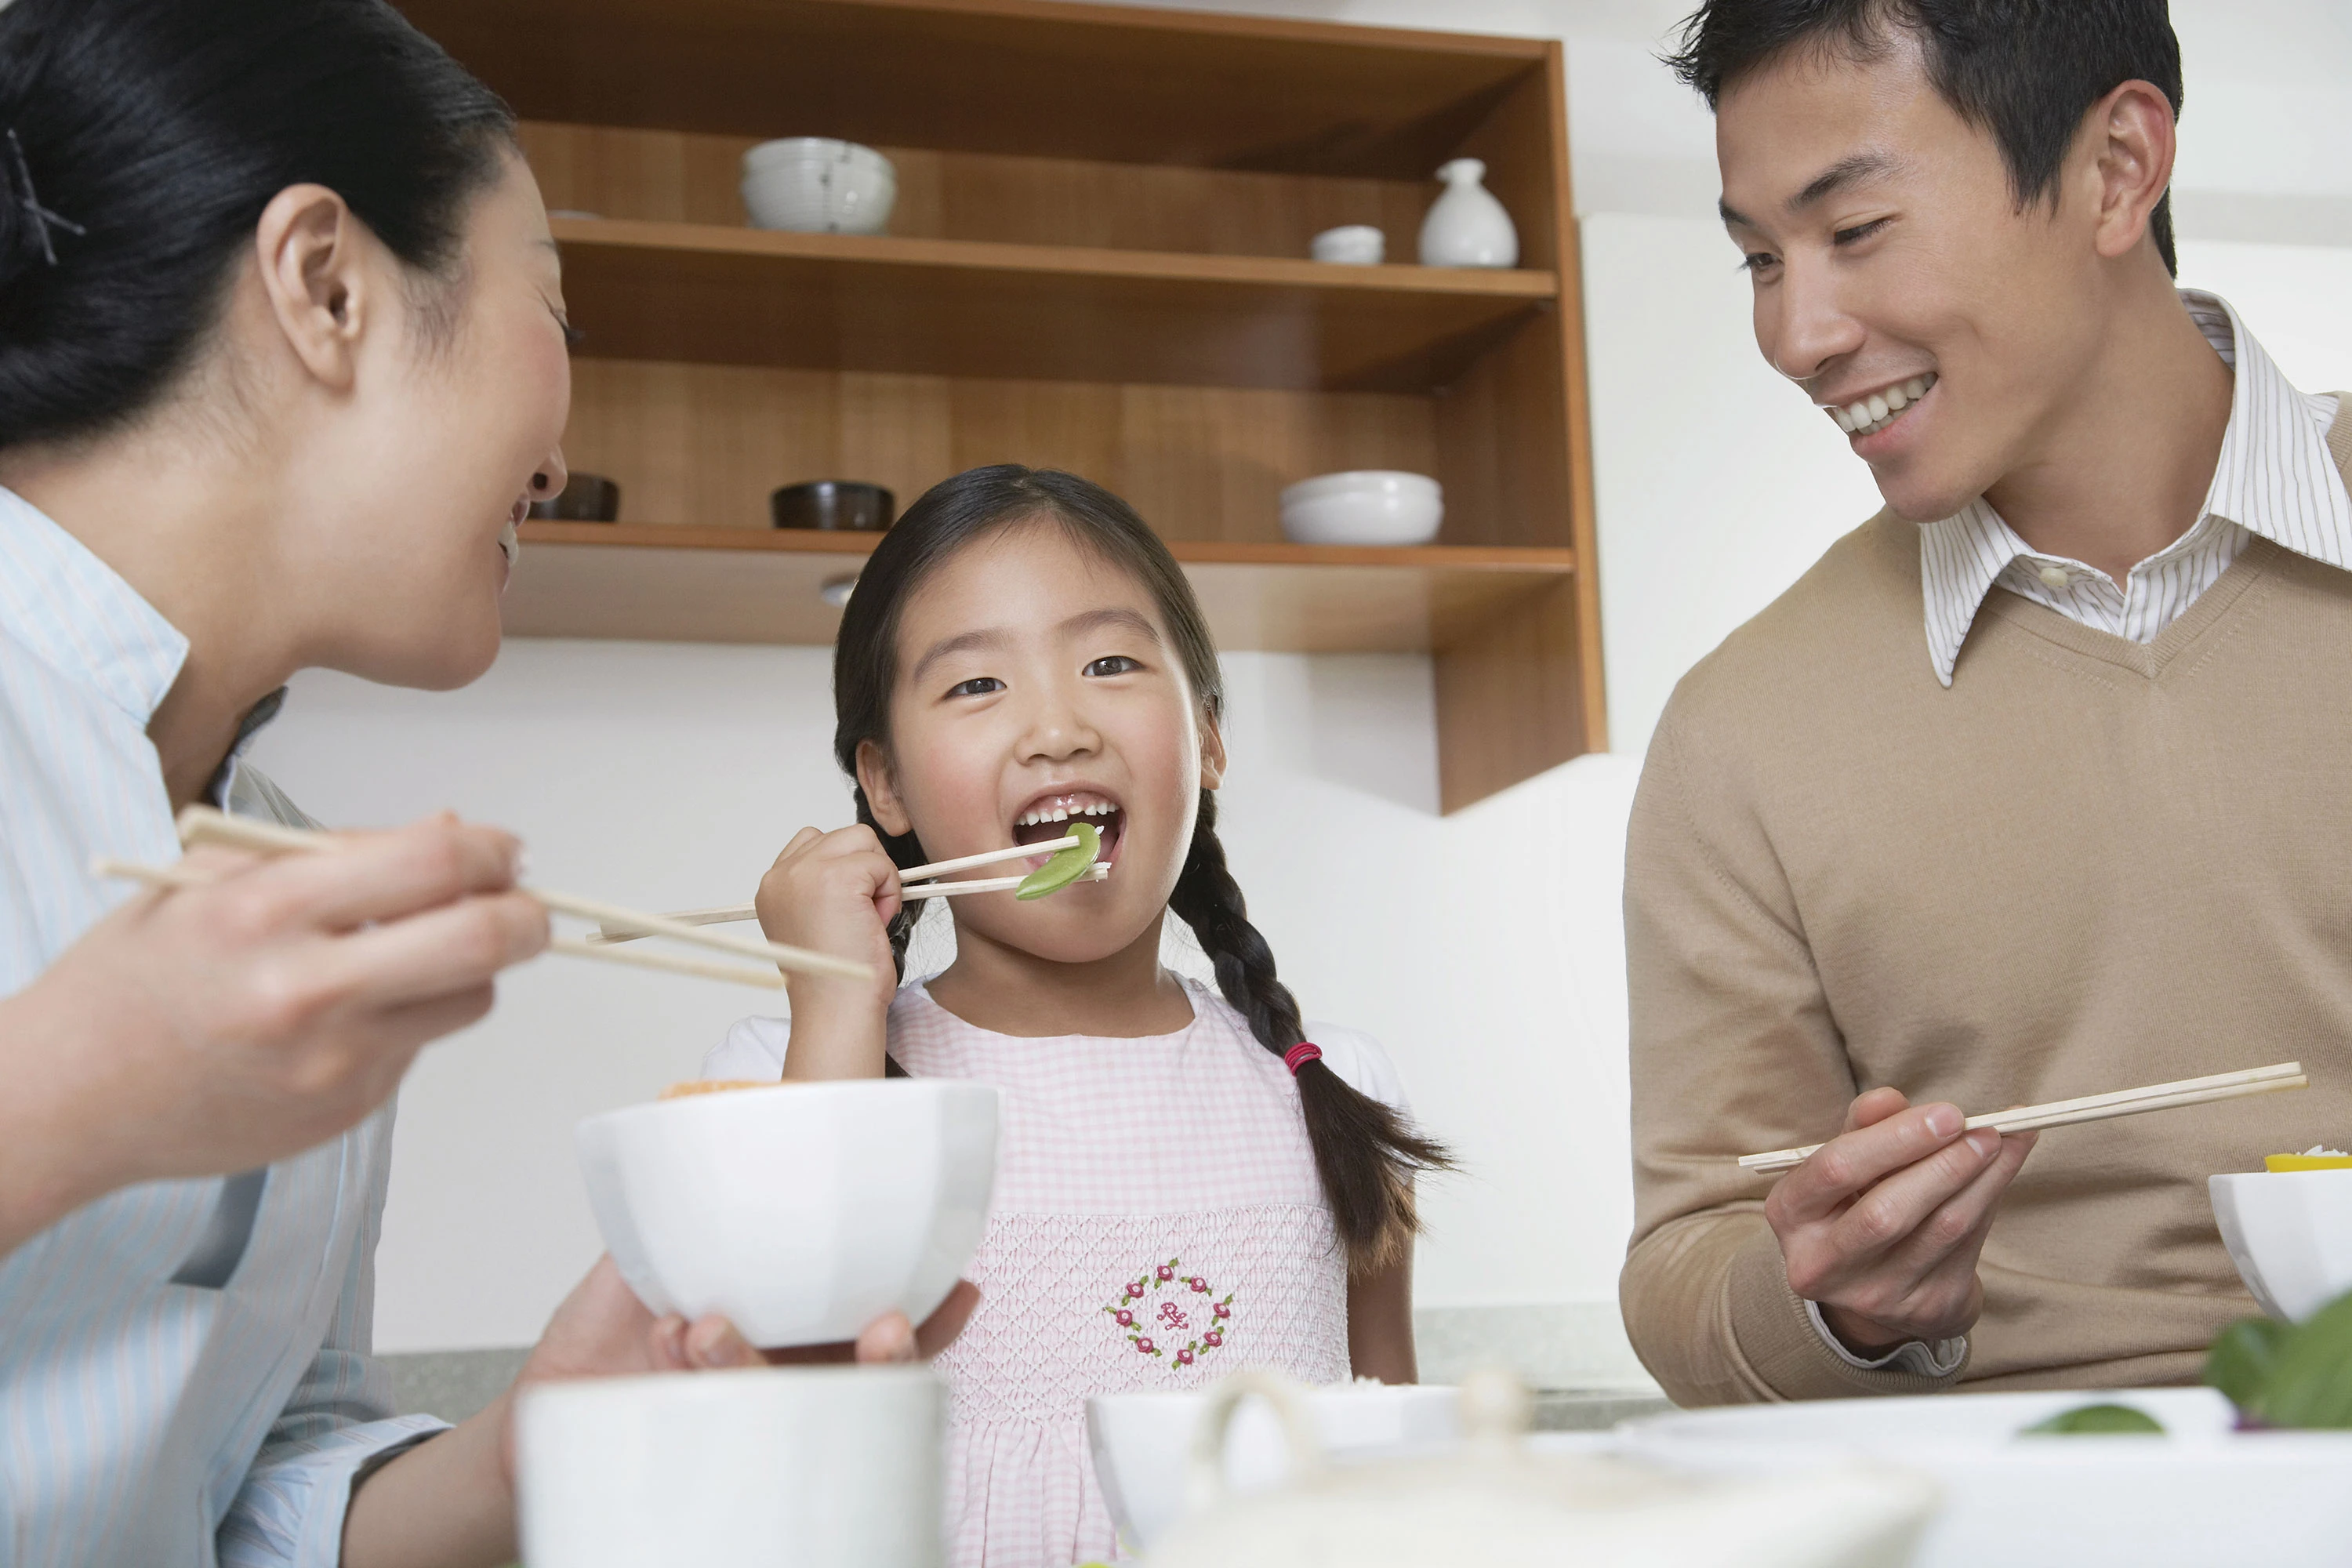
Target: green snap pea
1066,867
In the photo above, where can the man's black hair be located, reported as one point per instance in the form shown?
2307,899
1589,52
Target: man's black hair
2025,71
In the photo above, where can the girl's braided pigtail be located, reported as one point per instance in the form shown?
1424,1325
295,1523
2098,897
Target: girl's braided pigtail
1367,1154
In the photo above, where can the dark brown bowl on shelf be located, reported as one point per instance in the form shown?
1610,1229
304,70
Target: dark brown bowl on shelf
587,498
843,505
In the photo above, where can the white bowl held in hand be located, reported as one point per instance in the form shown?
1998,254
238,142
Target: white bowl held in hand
1142,1442
2203,1496
2290,1234
802,1211
814,185
814,1467
1365,506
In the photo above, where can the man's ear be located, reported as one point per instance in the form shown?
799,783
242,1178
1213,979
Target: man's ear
1212,752
2132,140
315,274
881,794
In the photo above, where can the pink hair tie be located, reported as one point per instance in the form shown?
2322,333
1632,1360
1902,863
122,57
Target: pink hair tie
1299,1055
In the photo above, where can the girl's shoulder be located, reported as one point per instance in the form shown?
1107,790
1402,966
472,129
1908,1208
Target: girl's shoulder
1358,1058
753,1051
1360,1062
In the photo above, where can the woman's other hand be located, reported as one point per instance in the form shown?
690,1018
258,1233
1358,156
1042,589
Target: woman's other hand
836,893
213,1028
451,1502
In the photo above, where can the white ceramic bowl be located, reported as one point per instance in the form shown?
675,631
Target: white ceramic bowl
802,1211
1351,244
2290,1234
815,1467
2203,1497
814,185
1365,506
1142,1442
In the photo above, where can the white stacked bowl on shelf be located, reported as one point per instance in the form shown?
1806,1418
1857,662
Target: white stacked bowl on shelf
814,184
1364,505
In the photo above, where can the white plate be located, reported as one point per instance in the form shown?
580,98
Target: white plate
2205,1496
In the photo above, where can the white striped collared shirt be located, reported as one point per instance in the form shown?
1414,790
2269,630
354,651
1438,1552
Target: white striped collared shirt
183,1367
2274,478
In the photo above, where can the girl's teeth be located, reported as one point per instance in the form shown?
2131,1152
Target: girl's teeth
1896,400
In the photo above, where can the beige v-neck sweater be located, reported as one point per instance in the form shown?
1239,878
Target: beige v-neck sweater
2090,864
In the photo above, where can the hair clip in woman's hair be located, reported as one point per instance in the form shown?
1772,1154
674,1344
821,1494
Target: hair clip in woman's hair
21,193
1299,1055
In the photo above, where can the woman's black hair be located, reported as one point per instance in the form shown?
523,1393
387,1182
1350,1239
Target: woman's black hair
1366,1154
153,132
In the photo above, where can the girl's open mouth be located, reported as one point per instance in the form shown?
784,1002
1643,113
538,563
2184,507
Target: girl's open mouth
1048,817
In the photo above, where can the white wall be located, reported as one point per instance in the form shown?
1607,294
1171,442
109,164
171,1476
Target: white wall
666,776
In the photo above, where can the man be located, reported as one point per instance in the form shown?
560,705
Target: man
2033,786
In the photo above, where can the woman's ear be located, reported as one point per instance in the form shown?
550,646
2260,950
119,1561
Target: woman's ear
314,273
881,794
1212,751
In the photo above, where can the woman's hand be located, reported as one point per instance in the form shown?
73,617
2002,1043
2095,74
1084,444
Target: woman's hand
451,1502
835,892
210,1030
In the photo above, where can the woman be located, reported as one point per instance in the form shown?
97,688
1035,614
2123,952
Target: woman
282,363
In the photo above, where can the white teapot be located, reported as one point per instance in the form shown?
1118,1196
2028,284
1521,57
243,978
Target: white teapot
1493,1500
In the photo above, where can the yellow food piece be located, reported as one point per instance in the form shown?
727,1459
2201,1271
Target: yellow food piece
2308,1162
712,1086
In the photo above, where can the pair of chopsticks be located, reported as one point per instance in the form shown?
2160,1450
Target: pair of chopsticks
630,931
2091,1107
202,825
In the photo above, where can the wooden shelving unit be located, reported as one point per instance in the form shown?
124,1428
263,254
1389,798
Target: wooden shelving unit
1097,262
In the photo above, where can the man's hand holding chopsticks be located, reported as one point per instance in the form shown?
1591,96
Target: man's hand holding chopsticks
1883,1224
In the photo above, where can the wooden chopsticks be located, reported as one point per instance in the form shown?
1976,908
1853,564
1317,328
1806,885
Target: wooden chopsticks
202,825
2091,1107
613,931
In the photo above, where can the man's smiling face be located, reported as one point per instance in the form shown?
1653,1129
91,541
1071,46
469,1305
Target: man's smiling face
1897,280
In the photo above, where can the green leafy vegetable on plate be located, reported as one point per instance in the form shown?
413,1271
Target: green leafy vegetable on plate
2097,1421
2288,1374
1066,866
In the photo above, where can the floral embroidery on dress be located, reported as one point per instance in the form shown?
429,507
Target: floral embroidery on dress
1172,1313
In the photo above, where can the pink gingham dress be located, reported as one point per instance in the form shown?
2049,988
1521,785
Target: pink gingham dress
1157,1223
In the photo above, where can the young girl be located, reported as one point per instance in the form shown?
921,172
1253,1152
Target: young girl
1186,1185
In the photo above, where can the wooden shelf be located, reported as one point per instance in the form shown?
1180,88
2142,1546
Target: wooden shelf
1024,76
706,294
1095,263
679,583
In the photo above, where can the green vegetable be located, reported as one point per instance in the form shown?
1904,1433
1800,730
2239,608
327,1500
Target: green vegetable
2280,1374
1065,867
2241,1361
2098,1420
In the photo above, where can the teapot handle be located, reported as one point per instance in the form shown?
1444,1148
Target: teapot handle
1204,1481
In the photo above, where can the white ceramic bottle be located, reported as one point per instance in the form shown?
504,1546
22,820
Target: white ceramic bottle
1467,227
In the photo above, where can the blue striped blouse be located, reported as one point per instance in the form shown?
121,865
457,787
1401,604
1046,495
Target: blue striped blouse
184,1375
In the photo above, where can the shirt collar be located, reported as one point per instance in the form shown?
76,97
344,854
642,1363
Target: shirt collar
74,613
2275,478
